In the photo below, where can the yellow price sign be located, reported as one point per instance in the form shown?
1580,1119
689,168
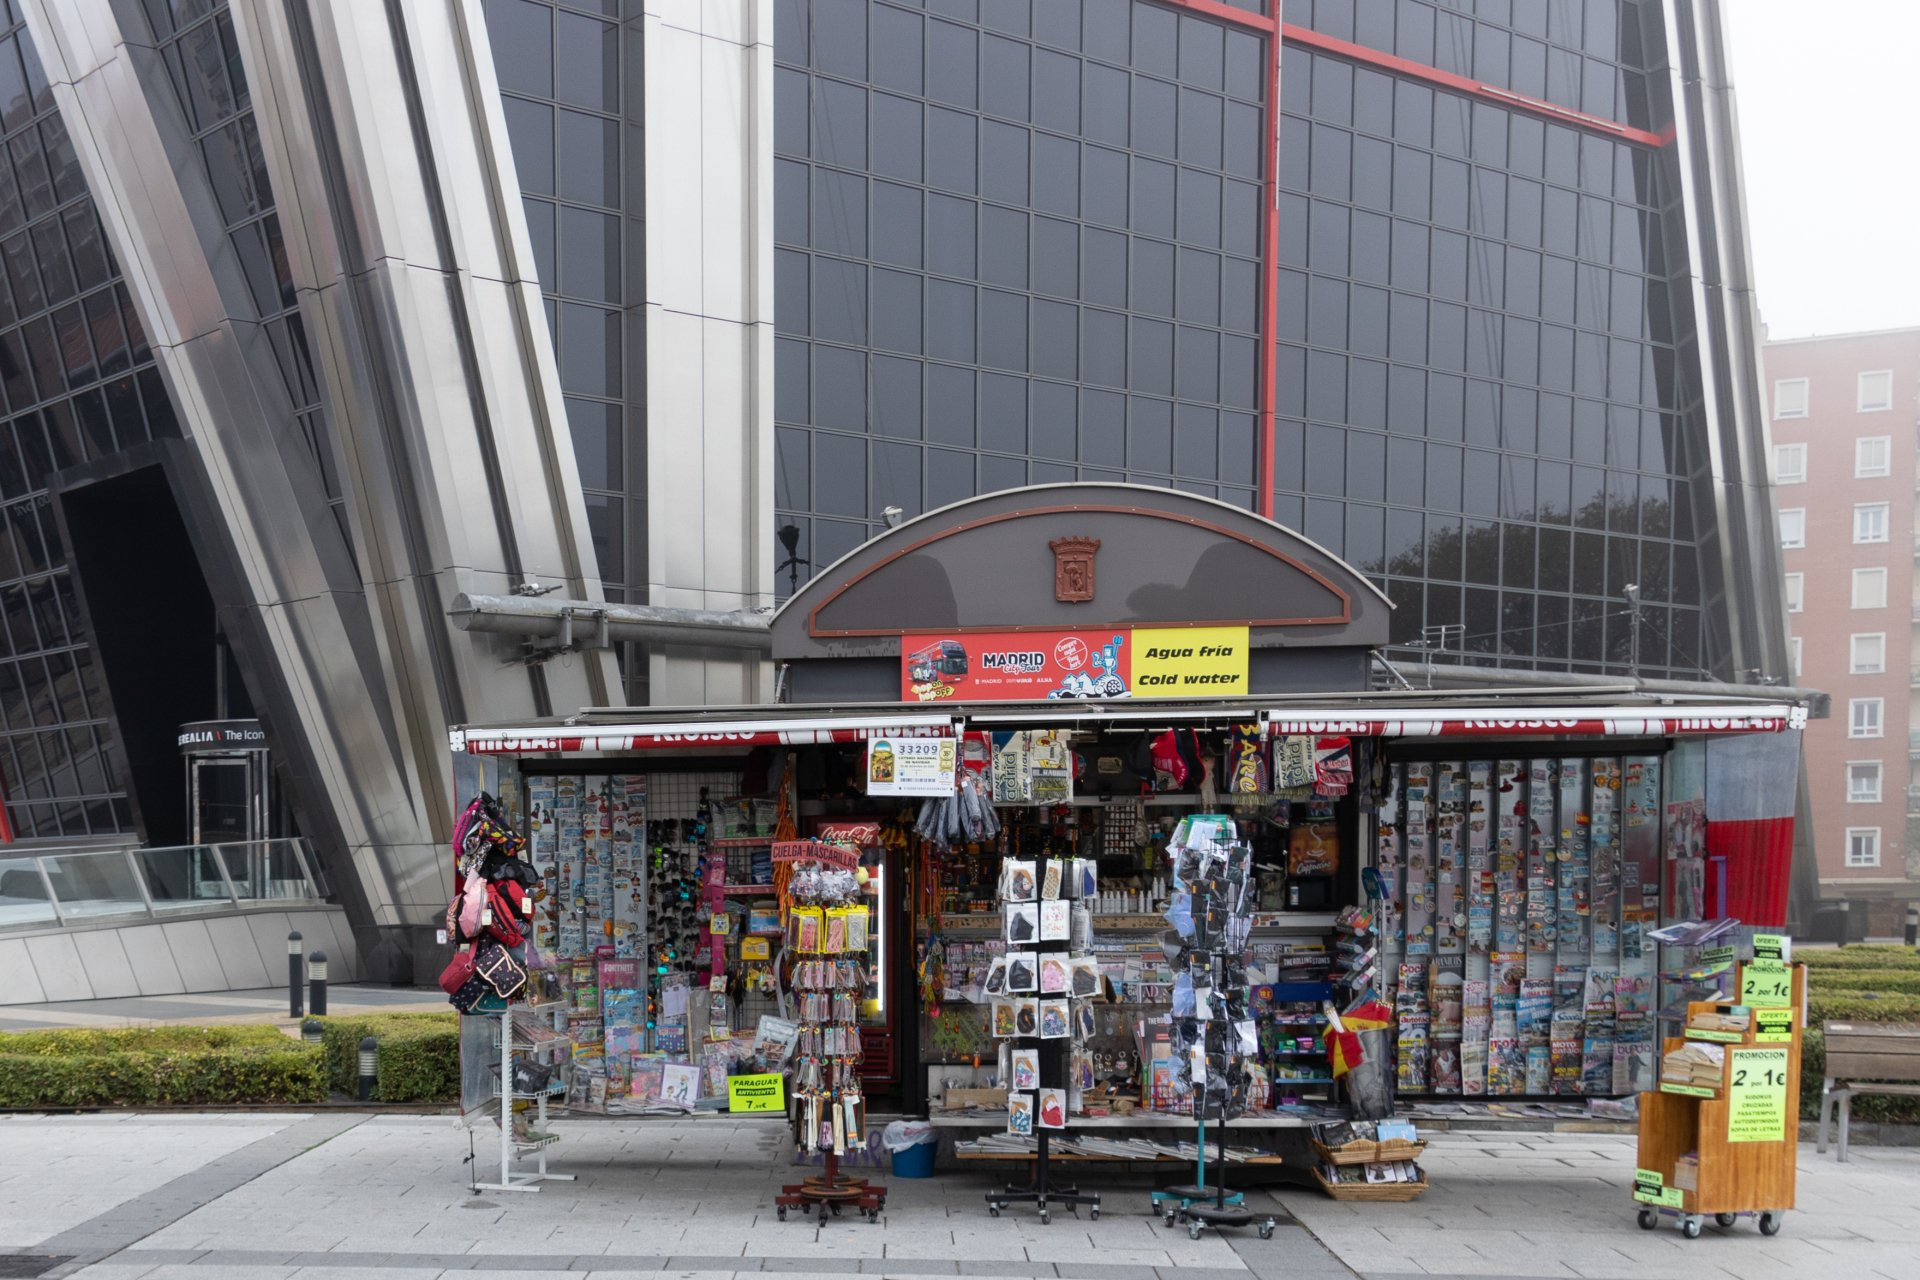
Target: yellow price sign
1772,1026
1766,982
1757,1095
766,1092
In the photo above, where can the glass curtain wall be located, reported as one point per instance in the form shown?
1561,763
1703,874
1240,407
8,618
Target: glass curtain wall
1483,391
202,57
1016,243
572,114
79,383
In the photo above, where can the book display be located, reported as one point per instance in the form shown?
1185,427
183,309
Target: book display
1720,1135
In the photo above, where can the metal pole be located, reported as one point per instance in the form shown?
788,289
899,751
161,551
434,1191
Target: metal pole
1913,926
1633,641
317,980
293,975
1846,921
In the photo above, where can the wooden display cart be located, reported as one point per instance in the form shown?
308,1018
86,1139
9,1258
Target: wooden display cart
1745,1132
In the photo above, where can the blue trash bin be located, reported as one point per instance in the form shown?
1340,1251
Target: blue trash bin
915,1161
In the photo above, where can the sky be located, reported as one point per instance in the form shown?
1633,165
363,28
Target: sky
1828,97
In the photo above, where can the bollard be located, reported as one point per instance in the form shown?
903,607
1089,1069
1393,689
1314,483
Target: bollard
317,980
294,966
369,1054
1913,926
1846,921
313,1031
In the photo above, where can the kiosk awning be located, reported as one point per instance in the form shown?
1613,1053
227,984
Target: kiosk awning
693,734
1623,721
693,729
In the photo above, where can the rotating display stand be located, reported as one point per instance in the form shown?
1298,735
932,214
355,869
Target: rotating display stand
1213,1029
1047,1024
827,928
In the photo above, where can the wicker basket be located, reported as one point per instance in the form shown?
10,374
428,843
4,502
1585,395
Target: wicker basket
1364,1152
1390,1192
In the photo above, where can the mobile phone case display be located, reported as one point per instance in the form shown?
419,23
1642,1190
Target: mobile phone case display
1516,899
1213,1030
1042,1012
827,945
1720,1136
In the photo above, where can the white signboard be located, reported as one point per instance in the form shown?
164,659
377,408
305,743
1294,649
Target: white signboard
911,766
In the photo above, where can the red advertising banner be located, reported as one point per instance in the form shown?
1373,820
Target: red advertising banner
1006,666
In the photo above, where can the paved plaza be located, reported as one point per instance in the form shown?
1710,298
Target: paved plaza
348,1196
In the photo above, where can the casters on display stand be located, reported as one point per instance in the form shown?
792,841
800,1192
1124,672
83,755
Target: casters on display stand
829,1191
1041,1193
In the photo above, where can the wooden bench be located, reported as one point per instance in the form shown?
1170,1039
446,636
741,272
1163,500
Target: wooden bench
1866,1058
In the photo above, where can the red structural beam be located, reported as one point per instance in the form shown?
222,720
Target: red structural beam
1468,85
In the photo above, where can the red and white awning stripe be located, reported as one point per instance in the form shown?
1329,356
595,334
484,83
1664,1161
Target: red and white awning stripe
614,739
1583,722
1351,721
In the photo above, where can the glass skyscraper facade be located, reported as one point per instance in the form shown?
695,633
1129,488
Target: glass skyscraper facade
79,384
572,117
1016,243
1477,391
412,305
1019,243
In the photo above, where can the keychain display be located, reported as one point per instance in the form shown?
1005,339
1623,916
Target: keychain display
827,932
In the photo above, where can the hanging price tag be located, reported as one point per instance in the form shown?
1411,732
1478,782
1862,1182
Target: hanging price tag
1770,946
1757,1095
1766,982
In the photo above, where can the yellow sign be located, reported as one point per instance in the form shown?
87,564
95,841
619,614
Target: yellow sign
720,923
1765,982
757,1093
1757,1095
754,949
1189,662
1772,1025
1650,1187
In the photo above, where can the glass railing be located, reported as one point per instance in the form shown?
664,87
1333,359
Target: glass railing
71,885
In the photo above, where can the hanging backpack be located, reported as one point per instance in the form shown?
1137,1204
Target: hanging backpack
473,908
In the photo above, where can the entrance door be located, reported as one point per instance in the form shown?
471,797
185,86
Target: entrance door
227,796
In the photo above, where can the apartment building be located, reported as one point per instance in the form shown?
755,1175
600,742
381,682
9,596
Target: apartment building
1843,418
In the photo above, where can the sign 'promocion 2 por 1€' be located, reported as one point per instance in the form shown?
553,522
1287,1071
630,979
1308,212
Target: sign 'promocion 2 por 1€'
1092,662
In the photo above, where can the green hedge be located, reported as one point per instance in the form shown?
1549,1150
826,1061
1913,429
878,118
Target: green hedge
1877,956
158,1066
1867,981
418,1059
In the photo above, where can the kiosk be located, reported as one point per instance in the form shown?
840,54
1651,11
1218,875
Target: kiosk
1137,656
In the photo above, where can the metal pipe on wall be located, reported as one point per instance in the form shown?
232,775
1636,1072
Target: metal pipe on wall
570,622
